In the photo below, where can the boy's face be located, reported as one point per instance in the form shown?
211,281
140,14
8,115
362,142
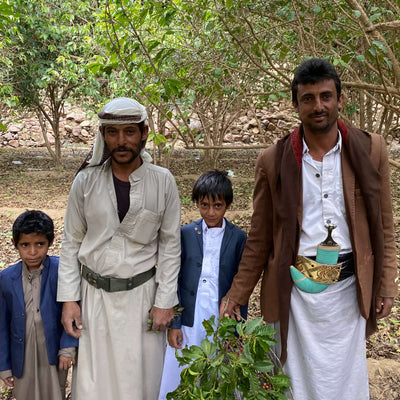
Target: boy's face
32,248
212,211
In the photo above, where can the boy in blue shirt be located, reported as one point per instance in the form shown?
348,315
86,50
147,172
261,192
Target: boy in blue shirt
36,353
211,249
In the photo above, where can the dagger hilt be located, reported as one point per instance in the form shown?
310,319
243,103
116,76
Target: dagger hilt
329,242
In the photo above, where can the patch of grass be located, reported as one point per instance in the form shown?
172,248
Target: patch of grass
186,201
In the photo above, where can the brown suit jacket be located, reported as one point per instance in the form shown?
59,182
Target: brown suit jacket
260,256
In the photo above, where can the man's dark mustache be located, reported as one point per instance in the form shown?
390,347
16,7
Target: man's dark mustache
122,148
317,114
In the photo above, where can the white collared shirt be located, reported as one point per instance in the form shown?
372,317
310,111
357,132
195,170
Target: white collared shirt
212,240
323,201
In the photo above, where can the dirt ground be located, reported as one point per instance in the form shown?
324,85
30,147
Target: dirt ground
29,181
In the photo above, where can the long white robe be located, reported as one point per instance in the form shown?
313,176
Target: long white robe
206,306
118,358
326,344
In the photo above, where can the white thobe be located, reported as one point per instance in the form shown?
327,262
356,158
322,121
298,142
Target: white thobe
118,358
205,307
326,337
326,344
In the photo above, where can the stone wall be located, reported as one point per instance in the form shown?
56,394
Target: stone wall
75,127
267,126
78,128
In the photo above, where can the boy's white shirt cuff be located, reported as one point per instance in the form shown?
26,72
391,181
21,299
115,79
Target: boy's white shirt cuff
67,352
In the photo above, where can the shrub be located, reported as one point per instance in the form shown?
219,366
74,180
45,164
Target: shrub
235,361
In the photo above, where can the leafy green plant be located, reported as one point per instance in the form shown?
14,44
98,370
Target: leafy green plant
235,361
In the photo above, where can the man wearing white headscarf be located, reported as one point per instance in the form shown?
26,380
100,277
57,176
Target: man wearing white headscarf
119,261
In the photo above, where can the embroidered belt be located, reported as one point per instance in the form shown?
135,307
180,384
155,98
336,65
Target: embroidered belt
317,272
112,284
314,277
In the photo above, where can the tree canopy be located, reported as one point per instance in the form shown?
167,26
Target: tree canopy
46,48
207,61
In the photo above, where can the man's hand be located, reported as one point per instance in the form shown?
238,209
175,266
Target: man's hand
229,308
71,318
9,381
64,363
161,318
175,338
383,306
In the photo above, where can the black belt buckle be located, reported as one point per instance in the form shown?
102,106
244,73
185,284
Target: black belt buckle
98,281
92,279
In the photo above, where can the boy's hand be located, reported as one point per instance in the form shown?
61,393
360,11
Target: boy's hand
161,318
175,338
9,381
71,318
64,363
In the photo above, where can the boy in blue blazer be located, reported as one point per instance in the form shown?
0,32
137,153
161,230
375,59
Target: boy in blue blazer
211,249
36,353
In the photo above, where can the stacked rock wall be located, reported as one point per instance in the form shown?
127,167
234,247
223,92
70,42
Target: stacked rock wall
78,128
75,127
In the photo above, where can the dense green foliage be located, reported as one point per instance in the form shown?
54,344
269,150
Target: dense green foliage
234,362
46,48
201,63
212,61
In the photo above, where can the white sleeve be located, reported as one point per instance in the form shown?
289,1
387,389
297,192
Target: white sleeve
169,248
69,275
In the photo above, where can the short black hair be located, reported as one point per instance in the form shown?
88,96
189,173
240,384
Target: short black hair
33,221
213,183
312,71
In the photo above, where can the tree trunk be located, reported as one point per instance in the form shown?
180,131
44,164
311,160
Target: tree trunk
55,154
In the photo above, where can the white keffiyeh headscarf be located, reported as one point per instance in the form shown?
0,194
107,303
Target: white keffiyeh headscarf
119,111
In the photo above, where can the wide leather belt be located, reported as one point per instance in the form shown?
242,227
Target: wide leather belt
112,284
347,262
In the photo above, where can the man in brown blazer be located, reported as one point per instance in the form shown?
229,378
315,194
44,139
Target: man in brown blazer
324,173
